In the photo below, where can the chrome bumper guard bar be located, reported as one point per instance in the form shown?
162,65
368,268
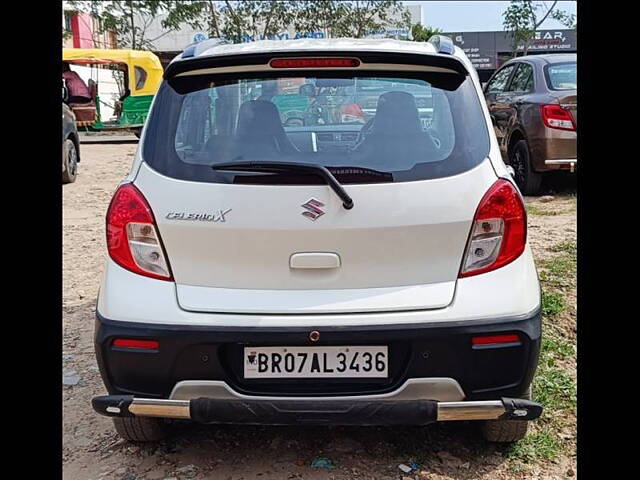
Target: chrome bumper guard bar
572,162
412,412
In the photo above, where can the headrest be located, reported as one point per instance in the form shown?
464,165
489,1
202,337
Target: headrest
396,114
258,118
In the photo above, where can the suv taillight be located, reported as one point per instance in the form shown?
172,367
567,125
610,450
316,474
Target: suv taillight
554,116
133,241
498,232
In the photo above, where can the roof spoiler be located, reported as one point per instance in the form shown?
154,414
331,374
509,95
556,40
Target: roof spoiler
442,43
193,62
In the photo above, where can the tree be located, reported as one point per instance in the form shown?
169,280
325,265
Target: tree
236,20
423,33
360,18
523,18
252,19
128,19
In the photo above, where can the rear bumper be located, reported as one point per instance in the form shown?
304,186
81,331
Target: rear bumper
283,412
193,362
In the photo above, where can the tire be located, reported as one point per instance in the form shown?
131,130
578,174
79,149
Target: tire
70,162
526,178
141,429
506,431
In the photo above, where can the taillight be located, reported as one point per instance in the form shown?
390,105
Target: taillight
328,62
132,237
498,232
554,116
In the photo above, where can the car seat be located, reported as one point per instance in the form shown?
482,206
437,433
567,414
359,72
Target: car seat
395,134
259,132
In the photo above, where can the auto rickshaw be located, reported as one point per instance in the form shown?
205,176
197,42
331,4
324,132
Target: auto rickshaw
138,81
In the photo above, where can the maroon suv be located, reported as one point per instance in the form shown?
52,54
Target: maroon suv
532,101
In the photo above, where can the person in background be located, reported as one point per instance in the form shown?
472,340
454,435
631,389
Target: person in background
76,88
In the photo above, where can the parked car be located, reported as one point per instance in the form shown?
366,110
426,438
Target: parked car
262,273
70,144
533,104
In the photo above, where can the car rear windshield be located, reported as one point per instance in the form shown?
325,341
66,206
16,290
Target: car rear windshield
562,76
364,129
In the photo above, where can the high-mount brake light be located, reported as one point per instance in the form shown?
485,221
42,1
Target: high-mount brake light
499,230
133,241
555,116
325,62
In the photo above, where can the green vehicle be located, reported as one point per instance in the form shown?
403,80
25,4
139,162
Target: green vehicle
139,82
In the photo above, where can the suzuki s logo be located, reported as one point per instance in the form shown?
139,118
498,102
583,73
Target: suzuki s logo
312,208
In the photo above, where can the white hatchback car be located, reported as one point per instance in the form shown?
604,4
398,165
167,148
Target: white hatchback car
318,232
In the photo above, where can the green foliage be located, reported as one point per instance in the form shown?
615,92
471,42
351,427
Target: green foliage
553,387
128,19
423,33
236,20
552,303
523,18
336,18
569,20
541,444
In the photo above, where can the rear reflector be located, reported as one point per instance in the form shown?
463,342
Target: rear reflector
135,343
495,339
329,62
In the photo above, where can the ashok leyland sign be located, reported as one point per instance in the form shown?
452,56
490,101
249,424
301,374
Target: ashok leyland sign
483,48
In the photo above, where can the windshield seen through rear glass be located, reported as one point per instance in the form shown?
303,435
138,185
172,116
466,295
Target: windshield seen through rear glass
364,129
562,76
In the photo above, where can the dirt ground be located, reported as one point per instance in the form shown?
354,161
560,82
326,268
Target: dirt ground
92,450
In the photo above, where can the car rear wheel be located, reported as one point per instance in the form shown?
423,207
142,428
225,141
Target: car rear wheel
506,431
71,162
526,178
141,429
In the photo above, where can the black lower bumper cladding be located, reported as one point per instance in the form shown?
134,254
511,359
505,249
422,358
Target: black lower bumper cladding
429,350
338,412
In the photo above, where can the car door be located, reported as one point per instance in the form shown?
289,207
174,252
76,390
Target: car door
497,98
518,108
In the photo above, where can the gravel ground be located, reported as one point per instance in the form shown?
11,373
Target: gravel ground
92,450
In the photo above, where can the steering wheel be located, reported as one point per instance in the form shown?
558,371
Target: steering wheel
364,131
294,122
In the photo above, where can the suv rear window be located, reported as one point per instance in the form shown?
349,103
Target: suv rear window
562,76
364,129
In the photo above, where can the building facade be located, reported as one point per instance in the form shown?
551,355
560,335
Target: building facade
489,50
81,30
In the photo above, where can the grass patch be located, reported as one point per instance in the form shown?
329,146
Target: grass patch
542,444
558,348
569,247
560,271
536,210
554,388
552,303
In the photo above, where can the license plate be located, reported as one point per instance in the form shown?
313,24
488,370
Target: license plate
316,362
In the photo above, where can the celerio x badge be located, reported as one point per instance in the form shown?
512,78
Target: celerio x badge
203,217
312,207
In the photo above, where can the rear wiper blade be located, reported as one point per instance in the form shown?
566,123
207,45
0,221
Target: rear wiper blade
277,167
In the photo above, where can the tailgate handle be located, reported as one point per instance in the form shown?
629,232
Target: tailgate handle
314,260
